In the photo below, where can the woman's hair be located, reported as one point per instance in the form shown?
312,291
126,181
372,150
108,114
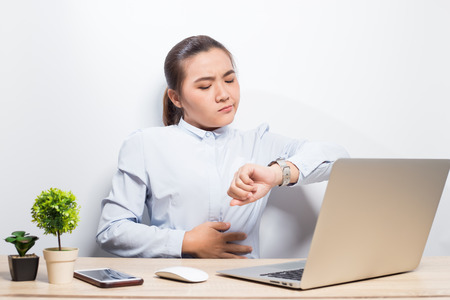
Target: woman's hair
174,71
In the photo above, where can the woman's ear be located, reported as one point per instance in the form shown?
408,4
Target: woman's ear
173,96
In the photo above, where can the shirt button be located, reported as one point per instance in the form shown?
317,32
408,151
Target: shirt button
208,134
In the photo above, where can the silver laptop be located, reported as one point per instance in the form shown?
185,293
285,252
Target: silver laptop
374,221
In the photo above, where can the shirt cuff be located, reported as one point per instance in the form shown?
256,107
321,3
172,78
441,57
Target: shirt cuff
174,244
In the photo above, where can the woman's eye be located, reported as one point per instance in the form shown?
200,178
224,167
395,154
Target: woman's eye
204,87
229,81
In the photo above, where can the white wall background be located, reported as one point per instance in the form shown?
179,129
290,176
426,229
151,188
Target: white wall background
76,77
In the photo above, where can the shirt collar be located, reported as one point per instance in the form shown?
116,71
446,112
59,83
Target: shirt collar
200,132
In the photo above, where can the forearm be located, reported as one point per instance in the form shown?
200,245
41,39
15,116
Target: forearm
126,238
314,161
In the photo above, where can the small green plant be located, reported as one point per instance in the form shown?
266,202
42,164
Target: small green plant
23,241
56,212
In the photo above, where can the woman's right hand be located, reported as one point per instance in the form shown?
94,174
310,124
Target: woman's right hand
209,241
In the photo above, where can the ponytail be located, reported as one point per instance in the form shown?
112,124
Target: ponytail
171,113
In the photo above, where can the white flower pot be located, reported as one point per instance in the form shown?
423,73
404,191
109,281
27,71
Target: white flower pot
60,264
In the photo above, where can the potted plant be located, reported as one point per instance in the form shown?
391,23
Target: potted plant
57,212
23,267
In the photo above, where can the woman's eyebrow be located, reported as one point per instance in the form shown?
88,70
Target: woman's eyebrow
229,73
207,78
210,78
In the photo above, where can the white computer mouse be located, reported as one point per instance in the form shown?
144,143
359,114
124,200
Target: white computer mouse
181,273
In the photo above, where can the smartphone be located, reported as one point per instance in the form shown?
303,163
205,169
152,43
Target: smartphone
107,278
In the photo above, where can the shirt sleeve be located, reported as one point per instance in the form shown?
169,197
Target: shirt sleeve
120,230
314,159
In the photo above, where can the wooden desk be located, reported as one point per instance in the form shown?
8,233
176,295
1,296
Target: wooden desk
431,279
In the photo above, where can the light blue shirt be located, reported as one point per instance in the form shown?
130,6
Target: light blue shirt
182,173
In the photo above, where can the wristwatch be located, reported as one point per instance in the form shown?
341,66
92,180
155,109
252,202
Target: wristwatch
285,169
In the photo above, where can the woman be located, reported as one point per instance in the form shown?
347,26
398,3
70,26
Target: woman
205,185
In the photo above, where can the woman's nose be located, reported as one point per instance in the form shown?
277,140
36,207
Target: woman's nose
222,93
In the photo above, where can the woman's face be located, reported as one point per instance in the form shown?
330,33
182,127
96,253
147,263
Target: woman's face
210,92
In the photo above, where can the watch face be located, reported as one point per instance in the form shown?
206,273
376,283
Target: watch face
286,176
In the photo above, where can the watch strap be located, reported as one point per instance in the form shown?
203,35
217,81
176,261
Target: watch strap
285,170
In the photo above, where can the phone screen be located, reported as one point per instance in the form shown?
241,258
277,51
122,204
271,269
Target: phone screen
106,274
106,277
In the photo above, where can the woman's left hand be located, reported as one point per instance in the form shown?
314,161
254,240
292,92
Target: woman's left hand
252,182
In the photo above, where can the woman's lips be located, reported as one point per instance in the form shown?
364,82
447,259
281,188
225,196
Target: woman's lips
227,108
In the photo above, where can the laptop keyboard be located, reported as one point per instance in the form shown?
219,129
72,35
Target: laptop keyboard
291,274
